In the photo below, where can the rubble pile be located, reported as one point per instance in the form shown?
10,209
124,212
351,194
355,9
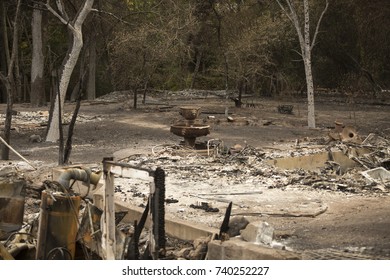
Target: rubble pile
115,96
34,119
199,186
248,175
194,93
122,96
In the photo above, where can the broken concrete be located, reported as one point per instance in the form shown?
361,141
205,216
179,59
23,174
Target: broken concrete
258,232
236,225
317,161
173,226
379,176
237,249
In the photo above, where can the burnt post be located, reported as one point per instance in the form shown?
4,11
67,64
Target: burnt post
156,179
108,218
157,213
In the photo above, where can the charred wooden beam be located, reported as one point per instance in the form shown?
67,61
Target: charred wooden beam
225,224
157,208
132,250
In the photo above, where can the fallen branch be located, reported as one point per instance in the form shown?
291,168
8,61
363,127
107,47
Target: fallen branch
12,149
233,193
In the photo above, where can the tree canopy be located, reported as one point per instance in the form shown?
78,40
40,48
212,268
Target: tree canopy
206,44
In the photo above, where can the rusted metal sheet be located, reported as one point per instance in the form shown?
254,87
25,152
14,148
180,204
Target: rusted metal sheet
12,198
58,226
90,233
4,254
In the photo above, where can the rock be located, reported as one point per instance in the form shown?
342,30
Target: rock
35,139
237,224
236,249
7,171
183,253
236,149
258,232
200,248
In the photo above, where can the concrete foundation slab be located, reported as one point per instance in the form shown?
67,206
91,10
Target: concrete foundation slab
173,227
318,160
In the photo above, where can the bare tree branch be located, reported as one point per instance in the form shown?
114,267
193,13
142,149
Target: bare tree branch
285,11
83,13
57,15
292,15
61,9
318,24
14,43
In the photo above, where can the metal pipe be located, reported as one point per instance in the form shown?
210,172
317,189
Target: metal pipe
84,175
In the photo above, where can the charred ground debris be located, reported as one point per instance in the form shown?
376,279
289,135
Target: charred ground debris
79,213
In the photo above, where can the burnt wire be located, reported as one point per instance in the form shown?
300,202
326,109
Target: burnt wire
16,233
63,252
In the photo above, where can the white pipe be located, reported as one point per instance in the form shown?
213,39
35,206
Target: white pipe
12,149
84,175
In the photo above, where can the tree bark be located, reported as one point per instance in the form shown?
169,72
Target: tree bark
69,65
91,83
17,77
135,98
5,56
306,52
311,121
306,45
37,95
10,85
197,66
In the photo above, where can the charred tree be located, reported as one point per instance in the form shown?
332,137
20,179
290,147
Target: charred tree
9,83
75,28
306,44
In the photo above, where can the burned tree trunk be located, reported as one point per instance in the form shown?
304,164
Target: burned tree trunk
37,63
70,62
9,84
306,45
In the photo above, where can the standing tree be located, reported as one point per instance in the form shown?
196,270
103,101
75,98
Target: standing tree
153,51
37,62
245,38
70,61
91,85
9,82
306,43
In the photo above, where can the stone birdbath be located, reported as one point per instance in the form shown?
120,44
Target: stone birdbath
188,128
